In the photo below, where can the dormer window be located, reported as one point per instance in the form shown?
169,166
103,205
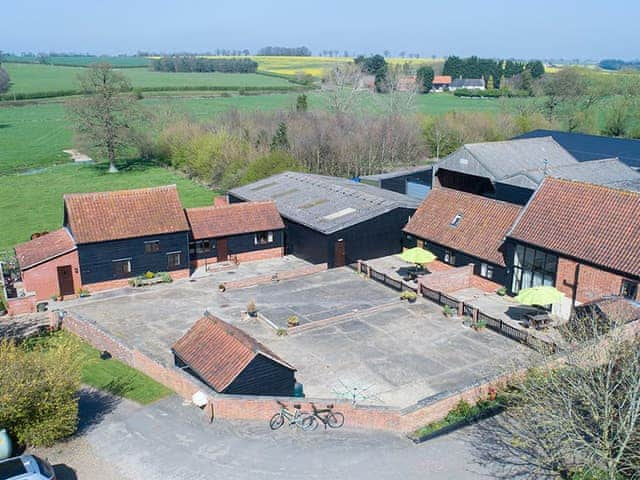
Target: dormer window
456,220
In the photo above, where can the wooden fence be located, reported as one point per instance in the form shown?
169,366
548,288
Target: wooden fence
441,298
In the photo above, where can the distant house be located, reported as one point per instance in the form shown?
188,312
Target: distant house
406,83
512,170
333,220
414,181
367,82
441,83
467,83
580,237
593,147
244,231
230,361
462,228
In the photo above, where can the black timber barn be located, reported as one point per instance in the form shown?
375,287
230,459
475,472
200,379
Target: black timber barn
333,220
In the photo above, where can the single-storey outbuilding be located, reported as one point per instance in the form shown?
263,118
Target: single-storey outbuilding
333,220
230,361
414,181
243,231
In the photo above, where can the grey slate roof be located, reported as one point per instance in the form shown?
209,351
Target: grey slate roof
326,204
397,173
467,82
506,161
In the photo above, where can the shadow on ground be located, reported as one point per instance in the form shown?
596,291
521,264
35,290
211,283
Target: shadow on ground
93,405
64,472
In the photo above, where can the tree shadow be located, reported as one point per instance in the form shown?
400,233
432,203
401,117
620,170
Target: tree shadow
128,165
93,406
64,472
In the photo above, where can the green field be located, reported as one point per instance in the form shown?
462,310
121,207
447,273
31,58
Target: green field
33,203
32,78
83,60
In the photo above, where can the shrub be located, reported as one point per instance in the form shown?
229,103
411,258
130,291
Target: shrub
407,295
502,291
281,332
448,311
149,275
165,277
252,309
480,324
38,390
293,321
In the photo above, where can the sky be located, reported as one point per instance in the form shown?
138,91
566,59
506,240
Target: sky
568,29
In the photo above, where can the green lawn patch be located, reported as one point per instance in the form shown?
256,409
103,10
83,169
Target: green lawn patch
33,202
110,375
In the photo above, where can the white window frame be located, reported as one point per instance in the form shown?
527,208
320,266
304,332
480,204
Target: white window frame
170,254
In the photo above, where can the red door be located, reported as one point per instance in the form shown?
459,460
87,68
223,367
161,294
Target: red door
221,249
339,254
65,280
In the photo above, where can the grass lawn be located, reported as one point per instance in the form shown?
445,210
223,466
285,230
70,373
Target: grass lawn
111,375
35,78
32,203
83,60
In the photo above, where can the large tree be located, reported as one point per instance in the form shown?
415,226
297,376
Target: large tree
5,81
425,76
105,114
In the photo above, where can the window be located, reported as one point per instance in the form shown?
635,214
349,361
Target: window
629,289
449,257
121,267
486,270
152,246
173,259
263,238
533,268
456,220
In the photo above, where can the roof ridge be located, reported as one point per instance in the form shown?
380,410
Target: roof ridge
632,193
478,197
122,191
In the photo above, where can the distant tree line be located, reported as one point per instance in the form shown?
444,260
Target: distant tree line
284,52
615,64
5,81
199,64
474,67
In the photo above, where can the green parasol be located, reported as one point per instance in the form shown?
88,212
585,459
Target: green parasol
539,296
417,255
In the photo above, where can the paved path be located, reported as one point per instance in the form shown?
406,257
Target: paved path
169,440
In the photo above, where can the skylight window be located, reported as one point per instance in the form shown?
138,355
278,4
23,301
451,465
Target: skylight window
456,220
339,213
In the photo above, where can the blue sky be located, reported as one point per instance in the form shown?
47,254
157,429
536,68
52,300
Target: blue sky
497,28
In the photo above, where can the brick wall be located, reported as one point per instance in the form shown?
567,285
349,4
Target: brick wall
123,282
592,282
259,255
449,280
287,275
43,279
21,305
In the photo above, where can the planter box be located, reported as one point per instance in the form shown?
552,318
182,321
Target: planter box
490,412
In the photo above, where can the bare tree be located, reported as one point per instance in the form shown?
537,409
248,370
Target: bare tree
343,84
579,413
104,116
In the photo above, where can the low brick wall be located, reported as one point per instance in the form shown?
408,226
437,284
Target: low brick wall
21,305
124,282
259,255
450,280
271,277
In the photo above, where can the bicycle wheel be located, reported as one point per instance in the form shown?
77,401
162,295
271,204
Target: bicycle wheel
276,421
308,423
335,419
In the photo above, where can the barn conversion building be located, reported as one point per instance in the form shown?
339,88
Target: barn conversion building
230,361
333,220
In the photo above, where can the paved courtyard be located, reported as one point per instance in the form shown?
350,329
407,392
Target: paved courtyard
395,355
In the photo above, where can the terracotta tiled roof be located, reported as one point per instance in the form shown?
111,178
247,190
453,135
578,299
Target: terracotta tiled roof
480,231
593,223
103,216
218,352
442,79
43,248
234,219
617,309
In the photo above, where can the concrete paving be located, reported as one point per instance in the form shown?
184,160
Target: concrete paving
396,355
171,440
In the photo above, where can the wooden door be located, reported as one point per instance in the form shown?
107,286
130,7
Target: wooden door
221,249
339,254
65,280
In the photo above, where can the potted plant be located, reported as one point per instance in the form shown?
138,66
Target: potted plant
447,311
502,291
149,275
252,310
409,296
222,287
479,325
293,321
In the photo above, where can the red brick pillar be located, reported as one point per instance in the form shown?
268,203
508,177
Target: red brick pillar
460,309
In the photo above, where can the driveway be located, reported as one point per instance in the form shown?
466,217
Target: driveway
171,440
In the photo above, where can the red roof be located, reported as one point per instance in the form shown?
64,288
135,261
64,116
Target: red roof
234,219
442,79
103,216
43,248
218,352
480,231
593,223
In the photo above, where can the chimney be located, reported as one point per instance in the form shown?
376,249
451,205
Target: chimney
220,201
